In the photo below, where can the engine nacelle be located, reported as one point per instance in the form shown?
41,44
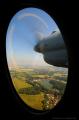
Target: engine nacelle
53,49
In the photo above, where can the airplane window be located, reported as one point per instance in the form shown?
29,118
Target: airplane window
38,72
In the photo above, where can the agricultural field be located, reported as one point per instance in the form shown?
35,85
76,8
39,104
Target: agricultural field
40,88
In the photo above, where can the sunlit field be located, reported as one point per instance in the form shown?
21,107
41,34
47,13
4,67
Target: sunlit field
31,100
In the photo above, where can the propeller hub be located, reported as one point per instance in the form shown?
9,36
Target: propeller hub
39,47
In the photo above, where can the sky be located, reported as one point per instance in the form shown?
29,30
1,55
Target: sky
25,29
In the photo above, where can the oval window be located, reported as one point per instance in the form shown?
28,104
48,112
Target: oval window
36,58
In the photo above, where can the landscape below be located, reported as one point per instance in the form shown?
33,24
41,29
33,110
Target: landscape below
42,87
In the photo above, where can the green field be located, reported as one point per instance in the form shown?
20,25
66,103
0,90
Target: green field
40,88
32,100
